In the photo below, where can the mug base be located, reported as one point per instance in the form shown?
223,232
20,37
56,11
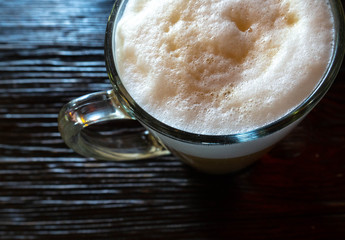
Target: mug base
220,166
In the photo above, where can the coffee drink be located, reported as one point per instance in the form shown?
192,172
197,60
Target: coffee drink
215,82
218,67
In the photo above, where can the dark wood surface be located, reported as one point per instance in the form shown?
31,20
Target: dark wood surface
51,51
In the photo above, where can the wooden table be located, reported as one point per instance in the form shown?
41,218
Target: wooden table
51,51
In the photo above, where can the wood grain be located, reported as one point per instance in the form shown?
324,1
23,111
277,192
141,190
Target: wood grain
51,52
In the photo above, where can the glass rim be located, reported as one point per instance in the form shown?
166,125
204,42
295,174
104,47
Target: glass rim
299,111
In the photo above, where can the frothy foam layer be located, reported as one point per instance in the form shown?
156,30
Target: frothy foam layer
222,66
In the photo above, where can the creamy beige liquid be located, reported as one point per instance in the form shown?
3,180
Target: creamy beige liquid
222,66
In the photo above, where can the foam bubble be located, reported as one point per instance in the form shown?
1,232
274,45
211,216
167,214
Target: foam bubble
222,66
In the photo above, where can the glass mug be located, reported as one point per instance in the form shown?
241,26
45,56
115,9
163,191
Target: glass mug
217,154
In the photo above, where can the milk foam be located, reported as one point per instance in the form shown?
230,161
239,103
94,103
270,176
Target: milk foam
222,66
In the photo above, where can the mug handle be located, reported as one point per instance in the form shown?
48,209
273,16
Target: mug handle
99,108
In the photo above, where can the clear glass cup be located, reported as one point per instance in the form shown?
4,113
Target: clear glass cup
217,154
